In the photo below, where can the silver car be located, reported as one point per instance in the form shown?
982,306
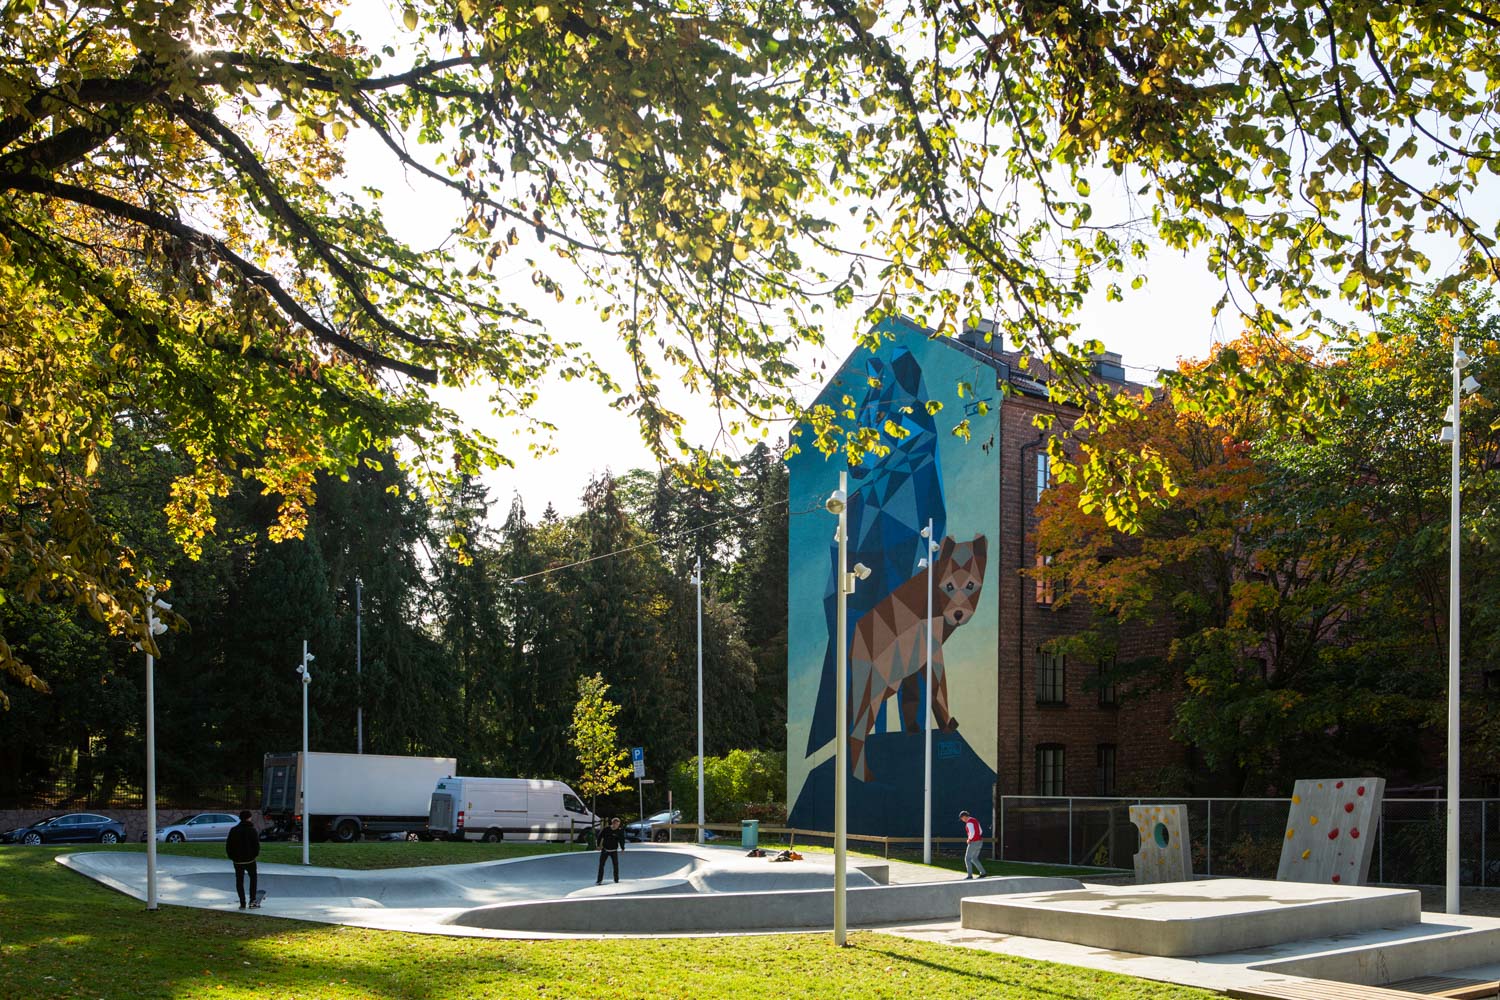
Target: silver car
204,826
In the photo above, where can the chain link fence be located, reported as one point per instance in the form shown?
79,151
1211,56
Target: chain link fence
1244,836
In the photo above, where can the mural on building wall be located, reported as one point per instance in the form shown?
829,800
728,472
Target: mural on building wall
927,473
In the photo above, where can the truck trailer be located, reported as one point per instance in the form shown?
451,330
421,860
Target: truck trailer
350,794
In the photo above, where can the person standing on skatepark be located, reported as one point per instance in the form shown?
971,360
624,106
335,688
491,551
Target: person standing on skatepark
975,837
243,847
611,843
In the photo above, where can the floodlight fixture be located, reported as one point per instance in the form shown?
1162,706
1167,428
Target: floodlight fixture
1471,384
1446,434
861,571
837,502
1461,359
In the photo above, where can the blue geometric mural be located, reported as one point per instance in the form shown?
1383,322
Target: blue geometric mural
913,384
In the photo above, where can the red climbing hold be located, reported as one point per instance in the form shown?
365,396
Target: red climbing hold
1348,807
1335,878
1339,785
1354,833
1333,834
1360,790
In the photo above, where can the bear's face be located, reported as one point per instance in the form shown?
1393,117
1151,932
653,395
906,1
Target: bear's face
960,578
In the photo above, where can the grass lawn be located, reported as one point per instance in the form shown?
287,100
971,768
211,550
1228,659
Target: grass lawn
62,935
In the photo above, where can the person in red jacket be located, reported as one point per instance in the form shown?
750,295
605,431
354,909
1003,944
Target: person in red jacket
975,836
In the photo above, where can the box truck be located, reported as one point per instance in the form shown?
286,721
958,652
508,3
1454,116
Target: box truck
350,794
492,809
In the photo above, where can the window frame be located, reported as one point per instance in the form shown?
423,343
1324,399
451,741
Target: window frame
1106,765
1051,773
1043,473
1054,691
1109,691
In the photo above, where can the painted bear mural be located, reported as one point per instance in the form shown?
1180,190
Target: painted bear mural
889,650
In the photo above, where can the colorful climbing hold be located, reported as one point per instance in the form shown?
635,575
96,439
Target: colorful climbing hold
1290,834
1333,834
1354,833
1313,820
1306,855
1336,878
1339,785
1348,807
1360,790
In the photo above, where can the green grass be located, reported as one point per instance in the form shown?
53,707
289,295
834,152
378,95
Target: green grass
956,863
62,935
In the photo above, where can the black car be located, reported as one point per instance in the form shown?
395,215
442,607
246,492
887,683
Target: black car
74,828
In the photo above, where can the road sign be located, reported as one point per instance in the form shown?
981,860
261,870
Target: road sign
638,761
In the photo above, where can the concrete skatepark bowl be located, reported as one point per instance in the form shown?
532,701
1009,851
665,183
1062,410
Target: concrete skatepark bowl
664,889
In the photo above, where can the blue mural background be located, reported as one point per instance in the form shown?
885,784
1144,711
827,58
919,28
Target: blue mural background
927,473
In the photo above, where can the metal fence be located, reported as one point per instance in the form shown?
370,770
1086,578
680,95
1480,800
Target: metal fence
1244,836
66,794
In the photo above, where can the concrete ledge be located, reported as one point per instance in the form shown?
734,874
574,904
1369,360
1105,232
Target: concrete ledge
743,911
1176,919
1439,944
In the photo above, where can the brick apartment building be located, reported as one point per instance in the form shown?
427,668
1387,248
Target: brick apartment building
1017,719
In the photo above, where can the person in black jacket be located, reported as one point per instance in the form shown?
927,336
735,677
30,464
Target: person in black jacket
611,843
243,847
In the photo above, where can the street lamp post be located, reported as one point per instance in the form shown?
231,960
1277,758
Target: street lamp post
302,669
838,504
1451,434
154,627
698,582
359,708
929,719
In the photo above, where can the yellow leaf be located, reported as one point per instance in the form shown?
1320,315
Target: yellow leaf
741,252
92,465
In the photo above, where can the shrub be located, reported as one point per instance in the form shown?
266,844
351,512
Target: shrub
741,784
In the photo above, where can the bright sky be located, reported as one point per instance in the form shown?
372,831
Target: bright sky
1169,319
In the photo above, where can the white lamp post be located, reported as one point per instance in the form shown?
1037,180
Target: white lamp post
359,709
302,669
698,582
154,627
838,504
929,718
1451,434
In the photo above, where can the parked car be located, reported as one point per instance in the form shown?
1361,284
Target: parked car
652,827
73,828
204,826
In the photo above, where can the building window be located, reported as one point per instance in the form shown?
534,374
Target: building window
1046,587
1049,769
1104,770
1043,473
1109,695
1049,677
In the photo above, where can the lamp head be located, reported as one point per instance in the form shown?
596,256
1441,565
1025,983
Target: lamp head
837,501
1461,359
921,564
1448,414
926,532
1471,384
861,571
1446,434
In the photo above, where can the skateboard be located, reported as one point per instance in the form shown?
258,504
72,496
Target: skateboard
260,895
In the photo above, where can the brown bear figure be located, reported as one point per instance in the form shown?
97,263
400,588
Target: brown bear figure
889,648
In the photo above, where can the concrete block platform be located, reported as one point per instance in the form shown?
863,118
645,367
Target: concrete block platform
1177,919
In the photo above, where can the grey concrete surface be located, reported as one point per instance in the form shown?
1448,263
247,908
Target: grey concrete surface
1195,918
725,912
434,899
1439,945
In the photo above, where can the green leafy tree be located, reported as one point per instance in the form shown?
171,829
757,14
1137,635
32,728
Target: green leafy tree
174,243
602,762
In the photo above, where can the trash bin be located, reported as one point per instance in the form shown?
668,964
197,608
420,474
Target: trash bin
749,832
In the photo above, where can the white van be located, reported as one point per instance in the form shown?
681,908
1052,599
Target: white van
493,809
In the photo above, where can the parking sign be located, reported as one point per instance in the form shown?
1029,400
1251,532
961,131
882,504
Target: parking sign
638,761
